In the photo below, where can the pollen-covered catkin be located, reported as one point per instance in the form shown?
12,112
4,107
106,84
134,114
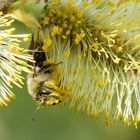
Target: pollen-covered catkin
13,58
97,43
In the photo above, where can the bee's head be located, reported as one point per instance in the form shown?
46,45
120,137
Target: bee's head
49,93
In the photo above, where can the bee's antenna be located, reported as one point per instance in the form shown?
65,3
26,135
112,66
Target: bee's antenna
58,63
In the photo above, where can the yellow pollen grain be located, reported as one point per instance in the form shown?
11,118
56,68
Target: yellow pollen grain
72,18
79,14
111,13
124,30
111,4
9,22
98,16
64,25
85,4
56,30
59,12
68,32
120,49
95,48
67,7
47,44
137,36
14,49
117,60
103,34
10,31
64,37
82,35
118,24
46,20
113,35
1,13
25,39
77,39
79,57
1,37
101,83
119,113
109,94
67,53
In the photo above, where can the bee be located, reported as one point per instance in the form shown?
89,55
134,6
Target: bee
41,83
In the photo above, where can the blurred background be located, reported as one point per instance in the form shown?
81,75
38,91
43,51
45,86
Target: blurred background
56,122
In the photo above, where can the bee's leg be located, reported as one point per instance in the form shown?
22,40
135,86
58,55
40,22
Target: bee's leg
58,63
49,68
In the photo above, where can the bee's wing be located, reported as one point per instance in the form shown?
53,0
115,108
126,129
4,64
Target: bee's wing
31,50
35,49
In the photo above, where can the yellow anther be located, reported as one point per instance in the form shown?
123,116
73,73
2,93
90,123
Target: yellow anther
79,14
56,30
85,4
117,60
72,18
67,32
82,35
111,4
67,53
25,39
77,38
47,44
120,49
46,20
137,36
64,37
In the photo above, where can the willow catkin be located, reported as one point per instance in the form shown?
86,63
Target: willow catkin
98,44
99,48
13,58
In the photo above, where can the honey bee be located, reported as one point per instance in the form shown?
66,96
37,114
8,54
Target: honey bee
41,83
